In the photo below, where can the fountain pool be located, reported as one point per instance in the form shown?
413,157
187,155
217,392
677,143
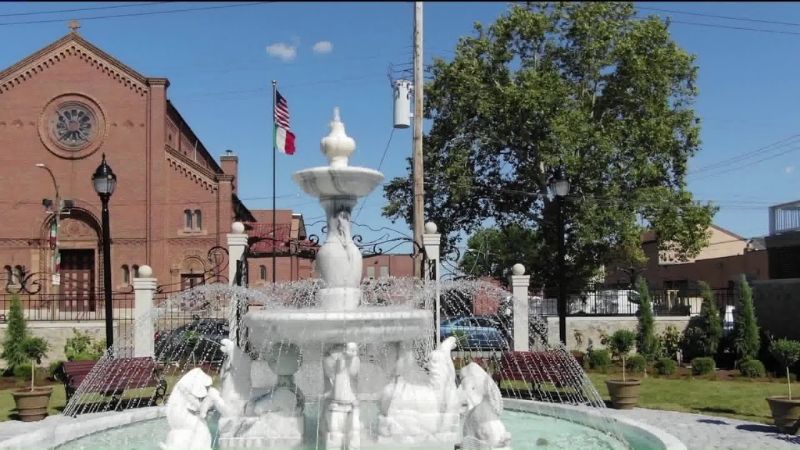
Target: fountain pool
530,431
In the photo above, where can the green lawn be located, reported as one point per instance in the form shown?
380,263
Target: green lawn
738,399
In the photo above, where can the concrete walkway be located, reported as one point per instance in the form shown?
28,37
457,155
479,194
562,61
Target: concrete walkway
701,432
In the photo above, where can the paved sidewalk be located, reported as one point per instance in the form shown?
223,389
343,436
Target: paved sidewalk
701,432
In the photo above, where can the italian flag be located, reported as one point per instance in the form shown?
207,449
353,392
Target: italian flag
284,140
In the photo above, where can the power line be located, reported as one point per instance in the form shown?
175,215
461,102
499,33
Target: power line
94,8
749,154
385,149
743,19
137,14
732,27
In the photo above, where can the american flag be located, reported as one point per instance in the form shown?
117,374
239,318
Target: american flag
281,111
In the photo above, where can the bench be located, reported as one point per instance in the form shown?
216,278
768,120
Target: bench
536,368
118,375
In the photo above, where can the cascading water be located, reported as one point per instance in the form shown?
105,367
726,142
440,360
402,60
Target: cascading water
334,363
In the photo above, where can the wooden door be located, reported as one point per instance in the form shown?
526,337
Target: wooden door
77,280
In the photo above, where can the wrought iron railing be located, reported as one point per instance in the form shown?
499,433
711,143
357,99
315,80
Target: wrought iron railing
625,302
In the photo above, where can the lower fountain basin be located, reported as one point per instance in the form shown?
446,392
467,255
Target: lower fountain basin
362,325
555,427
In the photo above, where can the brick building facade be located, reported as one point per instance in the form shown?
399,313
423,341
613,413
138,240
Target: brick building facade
67,105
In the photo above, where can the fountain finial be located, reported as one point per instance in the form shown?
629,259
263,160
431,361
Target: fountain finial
337,145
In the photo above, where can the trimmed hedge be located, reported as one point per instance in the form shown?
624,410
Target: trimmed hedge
600,359
665,366
752,368
703,365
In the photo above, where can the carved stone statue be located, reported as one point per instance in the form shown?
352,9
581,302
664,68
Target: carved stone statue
417,408
341,424
482,426
235,375
186,411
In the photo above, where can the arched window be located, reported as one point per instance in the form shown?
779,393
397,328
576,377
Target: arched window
188,214
135,268
126,274
198,219
263,272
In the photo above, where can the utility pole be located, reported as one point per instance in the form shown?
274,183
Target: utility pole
419,187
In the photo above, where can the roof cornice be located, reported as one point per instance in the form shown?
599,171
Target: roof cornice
71,45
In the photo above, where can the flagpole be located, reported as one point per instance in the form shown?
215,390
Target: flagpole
274,236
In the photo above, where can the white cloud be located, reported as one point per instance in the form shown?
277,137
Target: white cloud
323,47
282,51
789,169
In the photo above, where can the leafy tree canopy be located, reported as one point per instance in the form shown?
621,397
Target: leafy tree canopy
586,86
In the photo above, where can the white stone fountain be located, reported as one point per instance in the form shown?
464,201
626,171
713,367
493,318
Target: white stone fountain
416,407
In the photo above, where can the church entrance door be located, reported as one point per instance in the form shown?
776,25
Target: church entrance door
77,280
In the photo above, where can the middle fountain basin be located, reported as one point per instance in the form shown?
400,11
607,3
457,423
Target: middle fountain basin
362,325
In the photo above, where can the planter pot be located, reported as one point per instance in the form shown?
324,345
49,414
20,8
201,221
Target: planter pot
785,413
32,405
624,394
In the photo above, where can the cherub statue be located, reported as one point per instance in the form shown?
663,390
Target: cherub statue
482,426
186,411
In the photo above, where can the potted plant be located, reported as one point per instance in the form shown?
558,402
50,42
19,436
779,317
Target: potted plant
32,403
785,410
624,393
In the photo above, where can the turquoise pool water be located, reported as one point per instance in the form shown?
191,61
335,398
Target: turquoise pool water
529,432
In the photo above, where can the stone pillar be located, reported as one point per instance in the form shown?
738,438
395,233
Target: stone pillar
432,240
519,290
237,244
144,288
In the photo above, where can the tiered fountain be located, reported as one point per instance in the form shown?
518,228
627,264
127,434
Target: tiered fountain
414,408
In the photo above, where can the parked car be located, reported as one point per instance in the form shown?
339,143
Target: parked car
480,333
198,341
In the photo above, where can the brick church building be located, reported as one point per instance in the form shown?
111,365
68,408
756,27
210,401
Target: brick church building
65,106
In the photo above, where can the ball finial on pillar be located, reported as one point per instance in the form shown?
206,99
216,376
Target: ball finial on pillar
431,228
145,271
518,269
237,228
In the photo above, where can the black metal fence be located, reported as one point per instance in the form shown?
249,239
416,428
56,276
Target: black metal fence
60,307
625,302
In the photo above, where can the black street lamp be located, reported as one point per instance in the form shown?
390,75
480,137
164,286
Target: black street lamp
104,182
559,185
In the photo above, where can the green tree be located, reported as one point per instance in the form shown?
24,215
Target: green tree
621,343
710,320
588,86
34,348
787,353
746,341
646,339
16,333
492,251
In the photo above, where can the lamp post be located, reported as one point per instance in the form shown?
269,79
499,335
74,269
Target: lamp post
104,182
54,233
559,185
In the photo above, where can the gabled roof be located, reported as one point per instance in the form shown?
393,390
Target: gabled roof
58,50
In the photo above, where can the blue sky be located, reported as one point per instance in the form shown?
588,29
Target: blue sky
220,72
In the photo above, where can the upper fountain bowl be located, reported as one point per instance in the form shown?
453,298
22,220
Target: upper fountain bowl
338,179
345,181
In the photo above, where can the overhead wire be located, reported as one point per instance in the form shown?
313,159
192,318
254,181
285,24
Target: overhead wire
137,14
93,8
